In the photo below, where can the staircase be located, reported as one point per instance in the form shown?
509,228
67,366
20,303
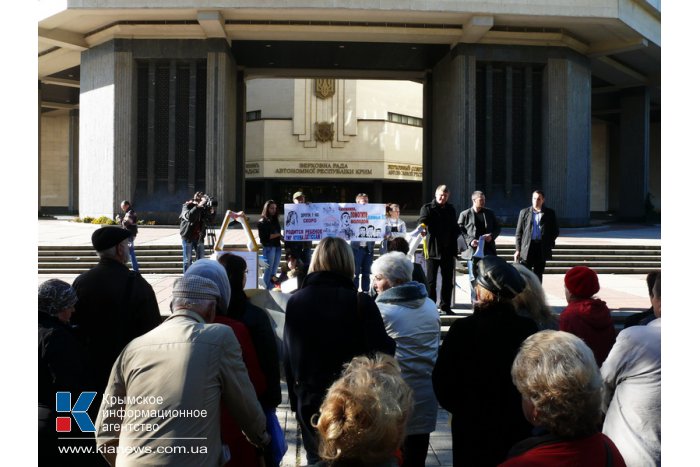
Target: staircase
167,259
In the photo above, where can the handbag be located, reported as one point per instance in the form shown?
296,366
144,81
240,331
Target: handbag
278,443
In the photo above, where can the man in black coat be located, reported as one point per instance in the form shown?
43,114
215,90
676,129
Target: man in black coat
114,306
440,219
535,235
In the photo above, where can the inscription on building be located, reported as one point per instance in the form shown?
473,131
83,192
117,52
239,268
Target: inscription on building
252,168
407,170
322,168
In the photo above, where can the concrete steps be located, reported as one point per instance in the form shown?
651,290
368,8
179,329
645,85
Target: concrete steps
167,259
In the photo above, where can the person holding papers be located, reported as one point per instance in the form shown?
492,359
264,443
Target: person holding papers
480,228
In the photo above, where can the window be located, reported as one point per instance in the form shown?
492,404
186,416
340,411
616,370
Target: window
253,115
405,119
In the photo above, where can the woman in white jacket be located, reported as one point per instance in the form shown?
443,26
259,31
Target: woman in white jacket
412,320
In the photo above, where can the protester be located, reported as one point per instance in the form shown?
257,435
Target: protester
586,316
412,320
114,306
476,223
301,249
327,323
363,253
292,269
196,214
632,389
246,454
167,386
61,367
560,383
258,323
363,416
270,236
130,223
472,372
535,234
440,219
395,227
647,316
532,303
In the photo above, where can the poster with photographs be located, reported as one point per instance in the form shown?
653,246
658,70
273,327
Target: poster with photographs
349,221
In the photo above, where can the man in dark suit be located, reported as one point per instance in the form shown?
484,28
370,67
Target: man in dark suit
535,235
475,223
440,218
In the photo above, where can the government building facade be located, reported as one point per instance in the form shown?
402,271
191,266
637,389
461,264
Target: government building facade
248,101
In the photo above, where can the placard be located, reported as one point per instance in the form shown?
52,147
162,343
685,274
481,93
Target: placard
251,259
349,221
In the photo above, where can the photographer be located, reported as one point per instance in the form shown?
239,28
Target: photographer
196,214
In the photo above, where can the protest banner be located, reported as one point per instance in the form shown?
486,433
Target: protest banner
349,221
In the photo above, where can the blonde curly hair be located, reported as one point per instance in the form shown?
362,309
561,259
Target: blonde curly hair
558,373
532,301
364,414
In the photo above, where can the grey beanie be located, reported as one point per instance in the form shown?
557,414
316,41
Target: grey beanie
55,296
195,287
215,272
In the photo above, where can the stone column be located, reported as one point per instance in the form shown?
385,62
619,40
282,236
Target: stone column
221,129
107,129
453,160
634,153
73,160
566,159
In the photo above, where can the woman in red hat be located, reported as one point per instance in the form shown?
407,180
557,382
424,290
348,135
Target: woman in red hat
586,316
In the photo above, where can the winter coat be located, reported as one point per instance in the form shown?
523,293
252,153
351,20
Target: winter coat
632,394
590,320
265,343
443,231
472,381
327,323
551,450
231,434
115,305
412,320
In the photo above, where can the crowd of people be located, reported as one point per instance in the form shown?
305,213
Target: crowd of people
363,360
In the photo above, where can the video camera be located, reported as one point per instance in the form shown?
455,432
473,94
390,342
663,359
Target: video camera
209,201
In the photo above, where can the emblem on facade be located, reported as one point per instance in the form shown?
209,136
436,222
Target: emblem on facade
325,88
323,131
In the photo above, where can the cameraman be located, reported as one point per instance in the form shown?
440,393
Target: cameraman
196,214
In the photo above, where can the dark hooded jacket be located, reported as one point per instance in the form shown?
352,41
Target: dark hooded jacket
590,320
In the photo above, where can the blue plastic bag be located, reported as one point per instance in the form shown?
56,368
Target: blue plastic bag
277,441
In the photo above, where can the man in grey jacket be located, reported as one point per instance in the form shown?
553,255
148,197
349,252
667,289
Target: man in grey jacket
162,402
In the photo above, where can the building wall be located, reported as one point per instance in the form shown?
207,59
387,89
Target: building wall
599,166
274,97
375,98
55,159
370,148
655,164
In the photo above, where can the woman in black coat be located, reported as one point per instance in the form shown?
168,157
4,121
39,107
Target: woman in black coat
61,366
472,377
327,324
